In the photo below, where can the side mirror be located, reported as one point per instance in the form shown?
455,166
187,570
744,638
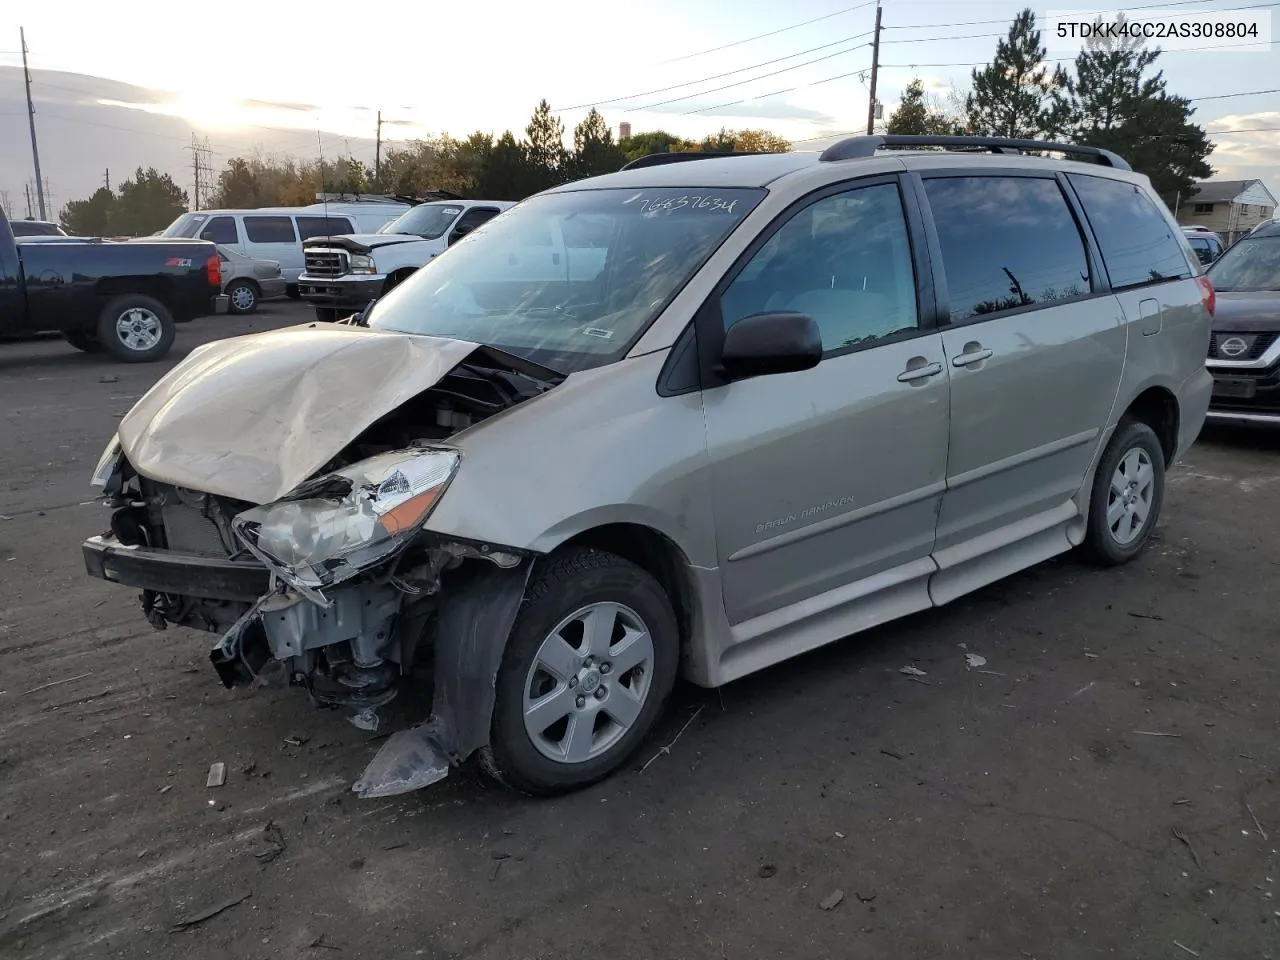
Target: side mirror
460,232
766,343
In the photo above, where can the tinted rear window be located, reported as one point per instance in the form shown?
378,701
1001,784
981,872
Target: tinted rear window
1138,244
323,227
1007,242
269,229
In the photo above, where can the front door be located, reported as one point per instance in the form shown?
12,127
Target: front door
832,475
1035,347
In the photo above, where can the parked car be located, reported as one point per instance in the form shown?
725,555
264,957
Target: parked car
277,233
1244,352
36,228
1206,244
799,396
247,282
124,298
343,274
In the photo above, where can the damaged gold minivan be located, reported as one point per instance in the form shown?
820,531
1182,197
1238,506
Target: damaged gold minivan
692,418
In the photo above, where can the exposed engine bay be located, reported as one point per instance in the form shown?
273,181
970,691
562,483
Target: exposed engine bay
351,590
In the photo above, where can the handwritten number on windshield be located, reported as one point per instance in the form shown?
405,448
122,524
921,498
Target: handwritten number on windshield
690,201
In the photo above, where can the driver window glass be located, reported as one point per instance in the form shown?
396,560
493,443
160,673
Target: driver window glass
844,260
474,217
221,230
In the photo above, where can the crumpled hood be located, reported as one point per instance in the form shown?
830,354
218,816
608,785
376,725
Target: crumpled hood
366,242
252,417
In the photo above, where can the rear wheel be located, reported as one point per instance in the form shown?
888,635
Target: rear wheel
292,292
82,340
1128,491
243,296
136,328
587,671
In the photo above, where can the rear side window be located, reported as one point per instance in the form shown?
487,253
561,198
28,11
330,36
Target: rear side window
221,230
1138,244
1007,242
269,229
323,227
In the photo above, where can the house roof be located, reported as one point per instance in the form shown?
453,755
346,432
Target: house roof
1219,191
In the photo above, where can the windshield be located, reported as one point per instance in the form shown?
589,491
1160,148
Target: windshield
568,280
429,220
1252,264
186,226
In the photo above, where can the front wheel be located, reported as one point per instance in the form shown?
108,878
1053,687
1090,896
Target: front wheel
136,328
1128,491
587,671
242,296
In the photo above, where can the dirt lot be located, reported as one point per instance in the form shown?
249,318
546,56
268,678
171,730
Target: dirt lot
1100,788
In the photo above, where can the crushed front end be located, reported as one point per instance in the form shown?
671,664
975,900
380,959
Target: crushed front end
337,584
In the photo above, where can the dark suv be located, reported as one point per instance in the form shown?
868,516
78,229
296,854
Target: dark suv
1244,349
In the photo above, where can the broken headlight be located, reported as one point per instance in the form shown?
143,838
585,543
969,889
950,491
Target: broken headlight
332,527
108,463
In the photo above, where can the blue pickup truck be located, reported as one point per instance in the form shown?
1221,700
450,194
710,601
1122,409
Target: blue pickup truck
124,298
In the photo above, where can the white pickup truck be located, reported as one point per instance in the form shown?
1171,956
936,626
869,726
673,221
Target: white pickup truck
342,274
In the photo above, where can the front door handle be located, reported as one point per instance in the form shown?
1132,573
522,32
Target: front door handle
973,353
922,372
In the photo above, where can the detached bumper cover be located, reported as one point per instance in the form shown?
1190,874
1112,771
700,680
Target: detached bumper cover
183,574
219,304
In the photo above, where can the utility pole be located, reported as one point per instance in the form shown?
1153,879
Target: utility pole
27,188
377,153
31,118
106,179
875,71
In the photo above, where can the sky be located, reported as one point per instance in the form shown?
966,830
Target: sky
278,71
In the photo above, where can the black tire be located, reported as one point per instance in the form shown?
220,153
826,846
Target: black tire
82,340
564,585
326,314
248,294
150,312
292,292
1106,547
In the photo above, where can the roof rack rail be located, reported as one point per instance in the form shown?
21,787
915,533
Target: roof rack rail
660,159
853,148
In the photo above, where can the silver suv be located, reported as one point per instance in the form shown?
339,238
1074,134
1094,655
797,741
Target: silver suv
772,401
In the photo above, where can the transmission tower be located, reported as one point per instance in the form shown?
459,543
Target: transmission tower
201,171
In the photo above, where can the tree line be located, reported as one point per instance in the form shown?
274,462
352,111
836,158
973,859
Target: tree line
1112,96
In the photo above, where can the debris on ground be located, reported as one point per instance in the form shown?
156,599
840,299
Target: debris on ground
1187,949
974,660
766,871
864,897
217,775
833,900
890,753
911,671
319,944
666,751
1155,733
273,837
1145,616
210,912
1088,686
54,683
1186,841
166,788
1262,833
357,863
249,768
296,740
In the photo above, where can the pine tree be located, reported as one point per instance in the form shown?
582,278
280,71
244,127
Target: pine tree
594,151
545,152
1114,104
1016,94
89,218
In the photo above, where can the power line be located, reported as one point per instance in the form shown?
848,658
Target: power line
717,76
1228,96
1163,53
727,86
775,93
771,33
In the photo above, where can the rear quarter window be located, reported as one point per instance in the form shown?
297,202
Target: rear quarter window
1137,242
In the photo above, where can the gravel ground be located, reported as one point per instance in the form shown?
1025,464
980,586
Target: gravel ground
1104,786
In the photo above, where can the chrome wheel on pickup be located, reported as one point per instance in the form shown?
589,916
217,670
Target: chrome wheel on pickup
587,670
136,328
